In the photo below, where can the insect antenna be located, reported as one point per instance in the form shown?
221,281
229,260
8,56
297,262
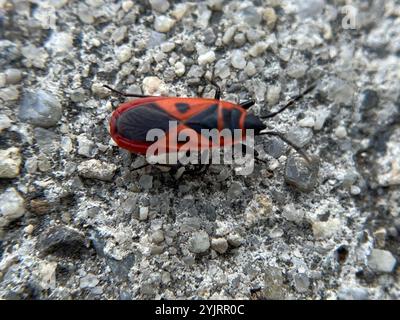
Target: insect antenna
125,94
288,142
290,102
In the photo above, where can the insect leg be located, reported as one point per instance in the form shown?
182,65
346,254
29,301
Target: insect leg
291,102
287,141
142,166
218,90
126,94
247,104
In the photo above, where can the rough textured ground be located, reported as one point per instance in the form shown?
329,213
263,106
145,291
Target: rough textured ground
77,228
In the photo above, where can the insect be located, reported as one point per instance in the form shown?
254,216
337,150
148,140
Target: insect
132,120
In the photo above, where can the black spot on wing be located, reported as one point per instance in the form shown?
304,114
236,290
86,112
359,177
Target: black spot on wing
235,119
182,107
207,119
136,122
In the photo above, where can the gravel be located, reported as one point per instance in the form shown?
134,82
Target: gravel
40,108
77,221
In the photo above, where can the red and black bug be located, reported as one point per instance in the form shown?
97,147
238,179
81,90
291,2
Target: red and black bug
131,121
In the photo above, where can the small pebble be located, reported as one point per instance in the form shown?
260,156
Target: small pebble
11,206
199,242
127,5
154,86
355,190
123,53
10,162
220,245
381,261
301,174
307,122
273,94
157,236
5,122
228,35
143,213
13,76
206,58
237,60
221,69
95,169
270,17
179,11
29,229
146,181
250,69
119,34
167,47
159,5
179,69
40,108
163,24
340,132
88,281
258,49
300,136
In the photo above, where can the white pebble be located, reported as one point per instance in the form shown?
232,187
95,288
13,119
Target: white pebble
163,24
167,47
355,190
258,48
127,5
179,68
123,53
206,58
340,132
250,69
307,122
237,60
154,85
143,213
159,5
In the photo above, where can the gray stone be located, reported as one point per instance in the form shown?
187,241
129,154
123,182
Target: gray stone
159,5
235,190
301,174
62,241
47,140
234,240
300,136
238,60
199,242
157,236
13,76
40,108
370,99
163,24
220,245
11,207
353,293
88,281
381,261
275,147
250,15
95,169
155,39
119,34
146,181
301,282
221,69
275,289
